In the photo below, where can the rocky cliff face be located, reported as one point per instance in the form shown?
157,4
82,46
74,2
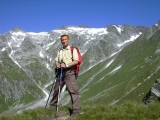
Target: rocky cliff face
154,94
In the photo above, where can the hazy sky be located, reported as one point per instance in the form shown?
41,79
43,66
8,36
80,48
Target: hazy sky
47,15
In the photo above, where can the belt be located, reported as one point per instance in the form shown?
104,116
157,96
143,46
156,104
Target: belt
67,69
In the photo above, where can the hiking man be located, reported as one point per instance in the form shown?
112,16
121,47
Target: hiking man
66,62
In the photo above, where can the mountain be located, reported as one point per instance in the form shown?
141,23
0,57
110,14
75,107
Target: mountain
121,62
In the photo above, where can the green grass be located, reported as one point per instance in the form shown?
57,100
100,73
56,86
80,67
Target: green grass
126,111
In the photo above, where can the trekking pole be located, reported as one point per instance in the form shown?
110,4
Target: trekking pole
52,88
60,80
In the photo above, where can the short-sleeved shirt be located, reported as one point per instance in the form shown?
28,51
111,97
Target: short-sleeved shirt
64,55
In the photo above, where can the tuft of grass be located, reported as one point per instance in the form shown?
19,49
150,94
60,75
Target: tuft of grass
126,111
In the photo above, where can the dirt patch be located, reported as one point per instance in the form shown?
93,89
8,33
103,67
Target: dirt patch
61,116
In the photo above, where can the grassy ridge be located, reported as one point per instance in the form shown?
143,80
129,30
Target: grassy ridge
125,111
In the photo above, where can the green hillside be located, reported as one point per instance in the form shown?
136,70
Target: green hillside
16,87
138,68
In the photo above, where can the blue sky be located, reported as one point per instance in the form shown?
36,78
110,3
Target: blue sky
47,15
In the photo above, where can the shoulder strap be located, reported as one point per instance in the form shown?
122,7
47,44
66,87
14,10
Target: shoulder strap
72,52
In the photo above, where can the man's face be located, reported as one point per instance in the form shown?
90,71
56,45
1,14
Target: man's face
65,41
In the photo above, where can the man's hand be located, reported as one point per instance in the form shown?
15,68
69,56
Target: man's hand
63,65
58,65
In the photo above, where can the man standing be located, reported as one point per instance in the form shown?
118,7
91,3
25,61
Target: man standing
66,61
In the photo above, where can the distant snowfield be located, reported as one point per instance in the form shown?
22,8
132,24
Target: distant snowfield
83,30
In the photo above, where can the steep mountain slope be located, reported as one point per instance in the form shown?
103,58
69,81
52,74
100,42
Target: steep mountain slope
16,87
129,75
114,68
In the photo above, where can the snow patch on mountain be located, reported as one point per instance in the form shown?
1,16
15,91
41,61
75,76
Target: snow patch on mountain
18,37
132,38
115,69
10,55
38,34
48,46
119,28
18,33
3,49
90,32
41,54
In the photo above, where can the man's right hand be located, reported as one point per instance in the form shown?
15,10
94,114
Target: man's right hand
63,65
58,65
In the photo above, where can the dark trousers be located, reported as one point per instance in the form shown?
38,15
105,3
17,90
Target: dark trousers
71,84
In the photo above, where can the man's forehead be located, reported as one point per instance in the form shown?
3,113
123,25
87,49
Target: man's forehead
65,37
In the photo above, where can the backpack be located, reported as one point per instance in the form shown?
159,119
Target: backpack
76,70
